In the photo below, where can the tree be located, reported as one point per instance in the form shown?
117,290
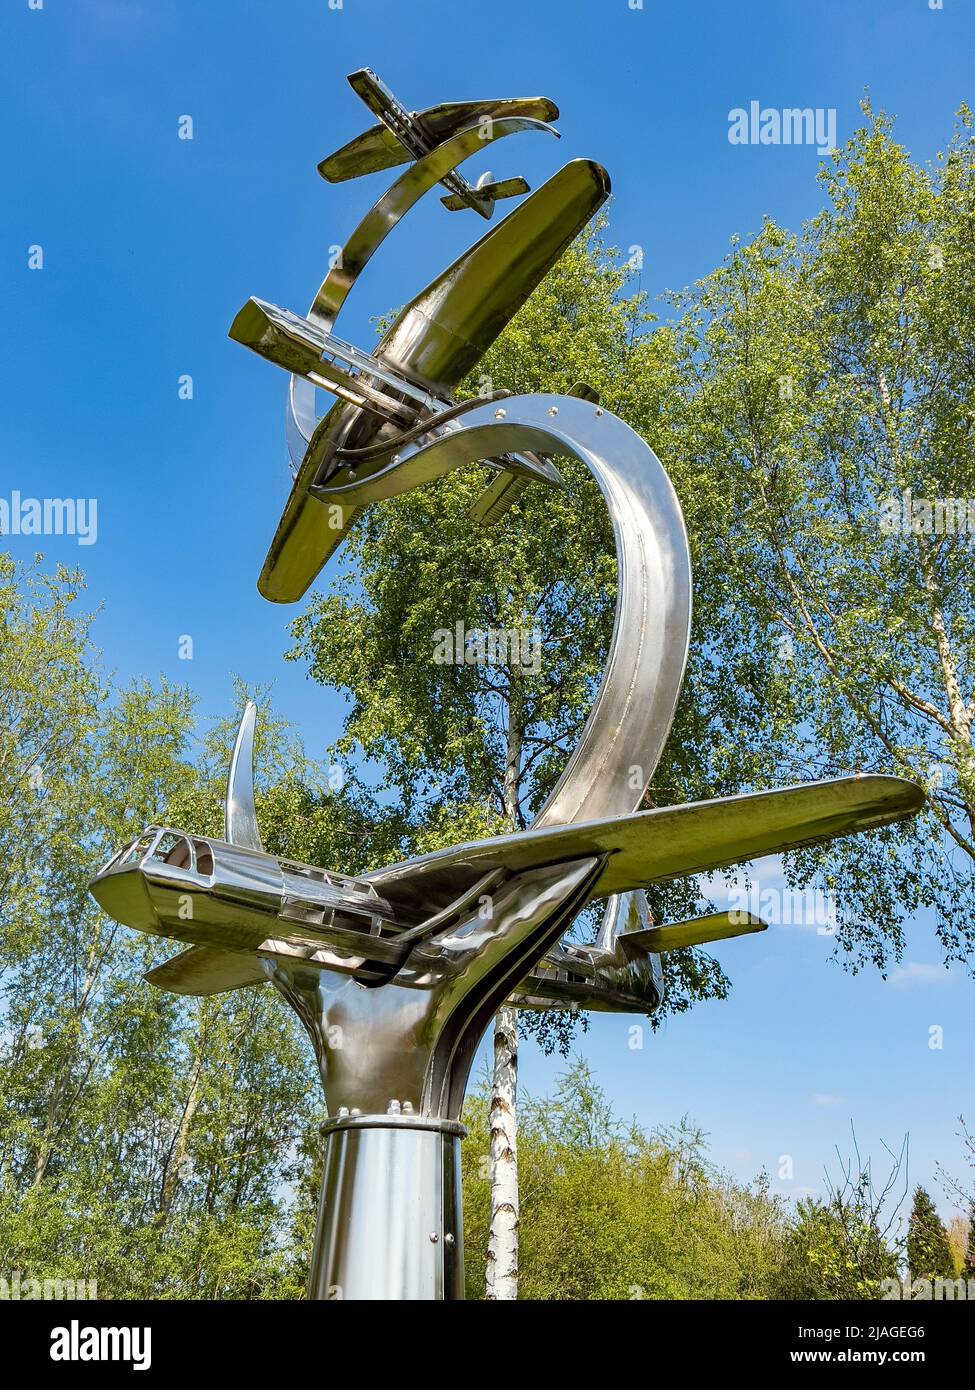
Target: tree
828,380
48,692
928,1249
961,1233
958,1228
812,405
613,1212
145,1139
844,1246
835,1254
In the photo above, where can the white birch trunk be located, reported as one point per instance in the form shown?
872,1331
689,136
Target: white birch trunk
501,1276
502,1257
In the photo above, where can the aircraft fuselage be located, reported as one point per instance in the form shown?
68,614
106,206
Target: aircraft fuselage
205,891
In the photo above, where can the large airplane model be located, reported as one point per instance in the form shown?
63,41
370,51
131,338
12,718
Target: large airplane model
245,910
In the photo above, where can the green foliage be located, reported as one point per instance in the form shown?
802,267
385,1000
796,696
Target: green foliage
828,375
802,388
968,1262
611,1212
145,1140
928,1248
836,1251
166,1146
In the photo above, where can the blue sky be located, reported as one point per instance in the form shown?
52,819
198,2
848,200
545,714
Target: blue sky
151,244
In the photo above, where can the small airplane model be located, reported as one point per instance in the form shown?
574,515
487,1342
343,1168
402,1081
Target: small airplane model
245,912
409,135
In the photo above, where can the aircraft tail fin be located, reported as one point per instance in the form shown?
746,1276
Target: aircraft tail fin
625,914
240,813
584,392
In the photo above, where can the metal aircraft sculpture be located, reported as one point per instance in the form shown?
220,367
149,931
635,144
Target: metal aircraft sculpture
247,910
396,973
409,135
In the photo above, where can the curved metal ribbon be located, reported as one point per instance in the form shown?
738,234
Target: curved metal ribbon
624,736
379,221
430,1019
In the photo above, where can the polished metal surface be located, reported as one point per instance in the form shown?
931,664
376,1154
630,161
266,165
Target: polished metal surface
649,847
433,343
240,813
404,134
398,1188
443,333
371,232
396,973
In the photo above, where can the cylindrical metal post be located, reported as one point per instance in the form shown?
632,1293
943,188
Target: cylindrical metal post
389,1218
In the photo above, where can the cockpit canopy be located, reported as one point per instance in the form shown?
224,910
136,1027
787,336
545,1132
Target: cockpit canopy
166,846
193,854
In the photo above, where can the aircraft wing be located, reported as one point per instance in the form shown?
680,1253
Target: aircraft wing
442,334
640,849
654,846
378,148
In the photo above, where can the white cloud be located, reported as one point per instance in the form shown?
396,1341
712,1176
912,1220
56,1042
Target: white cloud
762,888
916,973
826,1098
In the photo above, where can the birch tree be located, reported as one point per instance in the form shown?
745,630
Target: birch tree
828,379
144,1138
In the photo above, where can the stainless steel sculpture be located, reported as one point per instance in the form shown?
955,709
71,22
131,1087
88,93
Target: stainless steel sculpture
395,974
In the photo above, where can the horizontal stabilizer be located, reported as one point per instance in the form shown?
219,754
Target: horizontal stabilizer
654,846
501,493
203,970
717,926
